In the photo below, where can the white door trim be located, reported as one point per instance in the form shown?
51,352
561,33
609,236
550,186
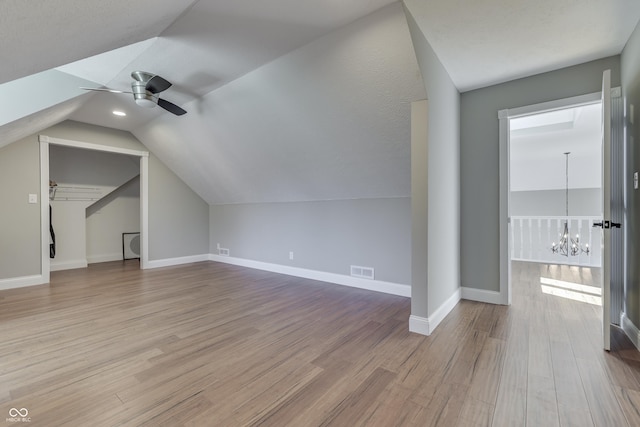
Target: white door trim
504,116
44,194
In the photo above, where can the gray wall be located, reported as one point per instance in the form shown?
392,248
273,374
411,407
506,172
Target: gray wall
436,252
178,218
582,202
326,236
19,221
630,65
479,142
87,167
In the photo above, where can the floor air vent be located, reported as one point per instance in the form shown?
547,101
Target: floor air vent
364,272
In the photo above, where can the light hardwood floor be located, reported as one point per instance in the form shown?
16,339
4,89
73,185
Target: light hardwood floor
209,344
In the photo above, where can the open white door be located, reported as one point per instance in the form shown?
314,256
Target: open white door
606,206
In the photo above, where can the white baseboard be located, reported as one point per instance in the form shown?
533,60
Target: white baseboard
425,326
93,259
481,295
419,325
338,279
67,265
168,262
21,282
444,309
630,329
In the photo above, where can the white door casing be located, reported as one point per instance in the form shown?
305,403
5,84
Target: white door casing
606,206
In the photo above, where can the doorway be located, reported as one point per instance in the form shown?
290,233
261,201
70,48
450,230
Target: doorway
555,189
555,194
143,156
536,240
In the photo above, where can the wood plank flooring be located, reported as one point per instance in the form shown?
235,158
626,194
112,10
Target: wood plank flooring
209,344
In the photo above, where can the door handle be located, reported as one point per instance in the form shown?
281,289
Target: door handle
607,224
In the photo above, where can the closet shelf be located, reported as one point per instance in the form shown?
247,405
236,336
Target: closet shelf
75,193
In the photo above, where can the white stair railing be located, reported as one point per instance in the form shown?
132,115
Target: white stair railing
531,238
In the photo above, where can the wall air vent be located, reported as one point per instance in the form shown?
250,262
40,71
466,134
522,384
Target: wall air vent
223,251
363,272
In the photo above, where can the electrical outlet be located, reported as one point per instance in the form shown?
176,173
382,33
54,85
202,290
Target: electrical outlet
635,180
290,255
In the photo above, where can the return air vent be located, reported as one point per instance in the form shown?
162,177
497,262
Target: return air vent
364,272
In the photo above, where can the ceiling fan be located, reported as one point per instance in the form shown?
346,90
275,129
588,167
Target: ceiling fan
145,88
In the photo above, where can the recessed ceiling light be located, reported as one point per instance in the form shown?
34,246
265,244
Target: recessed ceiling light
119,113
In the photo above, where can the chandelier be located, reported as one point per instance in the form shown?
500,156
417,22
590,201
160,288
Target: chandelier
568,245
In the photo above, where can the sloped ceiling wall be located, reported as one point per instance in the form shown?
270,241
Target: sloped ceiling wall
329,120
54,96
38,36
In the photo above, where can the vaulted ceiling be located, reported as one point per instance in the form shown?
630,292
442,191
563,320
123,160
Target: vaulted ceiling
286,100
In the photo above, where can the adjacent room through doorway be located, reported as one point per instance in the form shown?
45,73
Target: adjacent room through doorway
555,169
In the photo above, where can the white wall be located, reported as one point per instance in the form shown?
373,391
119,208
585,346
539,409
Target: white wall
436,261
582,202
69,227
107,219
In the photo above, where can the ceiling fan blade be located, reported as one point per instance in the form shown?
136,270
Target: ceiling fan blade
171,107
157,84
104,90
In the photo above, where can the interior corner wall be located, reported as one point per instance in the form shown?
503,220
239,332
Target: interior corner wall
630,75
19,221
325,236
479,144
442,256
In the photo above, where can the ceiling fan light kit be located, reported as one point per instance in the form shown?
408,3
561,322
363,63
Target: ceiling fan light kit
146,102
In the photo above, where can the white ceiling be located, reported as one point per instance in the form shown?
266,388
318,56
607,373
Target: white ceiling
484,42
37,37
537,147
286,100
